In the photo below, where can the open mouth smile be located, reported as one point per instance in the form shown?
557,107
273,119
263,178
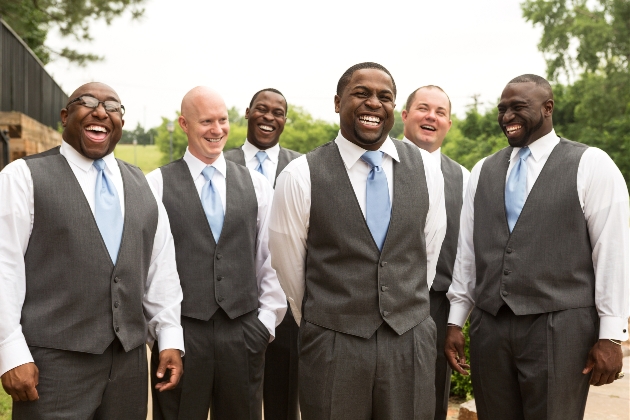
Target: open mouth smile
370,120
266,128
209,140
96,133
428,127
513,128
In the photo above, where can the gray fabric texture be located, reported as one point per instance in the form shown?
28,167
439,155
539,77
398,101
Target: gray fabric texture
213,275
453,189
285,156
84,386
440,308
545,264
529,367
223,371
76,299
388,376
351,287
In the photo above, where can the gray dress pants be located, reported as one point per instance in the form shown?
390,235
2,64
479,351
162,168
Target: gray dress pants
223,370
84,386
440,308
385,377
529,367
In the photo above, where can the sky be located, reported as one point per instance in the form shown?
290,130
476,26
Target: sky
302,48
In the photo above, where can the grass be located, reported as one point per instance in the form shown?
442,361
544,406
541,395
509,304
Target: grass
5,406
146,157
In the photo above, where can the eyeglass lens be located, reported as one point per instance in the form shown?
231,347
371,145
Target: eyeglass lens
110,106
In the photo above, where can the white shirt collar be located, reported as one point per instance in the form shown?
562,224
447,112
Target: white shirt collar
437,154
541,147
351,153
82,162
196,166
249,150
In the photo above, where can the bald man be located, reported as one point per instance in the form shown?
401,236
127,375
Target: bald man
233,302
87,273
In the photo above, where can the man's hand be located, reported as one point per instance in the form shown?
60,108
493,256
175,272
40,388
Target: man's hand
170,359
454,349
20,382
605,360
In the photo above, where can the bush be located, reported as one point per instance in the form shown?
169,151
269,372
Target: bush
461,386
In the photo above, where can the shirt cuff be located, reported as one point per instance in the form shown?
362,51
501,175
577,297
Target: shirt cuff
268,318
613,327
14,354
459,314
171,338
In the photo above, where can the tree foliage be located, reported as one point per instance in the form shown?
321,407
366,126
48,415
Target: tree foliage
33,19
138,134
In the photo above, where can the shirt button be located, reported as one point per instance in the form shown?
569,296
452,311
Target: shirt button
219,256
504,293
219,278
116,279
509,250
117,329
385,313
220,299
384,288
506,271
383,264
116,305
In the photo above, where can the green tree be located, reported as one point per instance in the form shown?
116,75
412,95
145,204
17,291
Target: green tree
139,134
162,140
32,19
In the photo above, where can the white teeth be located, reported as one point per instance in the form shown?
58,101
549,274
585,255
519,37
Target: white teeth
265,128
369,120
96,128
428,127
213,140
512,128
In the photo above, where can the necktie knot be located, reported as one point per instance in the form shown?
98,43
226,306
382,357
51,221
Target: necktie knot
373,158
208,172
99,164
262,156
524,153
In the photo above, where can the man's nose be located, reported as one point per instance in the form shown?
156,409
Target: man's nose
99,111
373,102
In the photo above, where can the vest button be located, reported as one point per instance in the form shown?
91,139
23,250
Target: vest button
220,299
384,288
383,264
219,278
504,293
116,279
219,256
385,313
506,271
117,329
509,250
116,304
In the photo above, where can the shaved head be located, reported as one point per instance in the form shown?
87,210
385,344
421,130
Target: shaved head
198,96
86,88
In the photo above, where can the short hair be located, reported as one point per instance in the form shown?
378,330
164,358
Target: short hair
534,78
345,78
286,104
413,96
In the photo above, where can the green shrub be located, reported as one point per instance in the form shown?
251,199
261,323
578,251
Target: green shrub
461,386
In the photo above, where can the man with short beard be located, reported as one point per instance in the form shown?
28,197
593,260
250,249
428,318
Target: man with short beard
219,214
427,120
542,261
87,273
266,116
355,235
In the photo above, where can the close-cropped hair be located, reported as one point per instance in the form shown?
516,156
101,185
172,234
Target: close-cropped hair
286,104
345,78
533,78
413,96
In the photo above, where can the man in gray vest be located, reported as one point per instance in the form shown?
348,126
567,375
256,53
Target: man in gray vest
543,259
87,273
427,120
233,302
266,116
355,236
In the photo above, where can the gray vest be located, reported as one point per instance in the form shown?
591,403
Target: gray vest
76,299
453,190
545,264
351,286
284,157
213,275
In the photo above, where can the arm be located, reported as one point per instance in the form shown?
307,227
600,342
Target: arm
288,229
19,373
271,299
604,196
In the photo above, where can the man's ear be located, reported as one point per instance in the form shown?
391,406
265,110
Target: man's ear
247,113
182,123
337,103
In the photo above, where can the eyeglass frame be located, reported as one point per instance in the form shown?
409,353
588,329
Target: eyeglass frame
80,98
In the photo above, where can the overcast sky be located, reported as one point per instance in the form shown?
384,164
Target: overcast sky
239,47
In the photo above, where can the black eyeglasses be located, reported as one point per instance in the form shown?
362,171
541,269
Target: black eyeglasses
92,102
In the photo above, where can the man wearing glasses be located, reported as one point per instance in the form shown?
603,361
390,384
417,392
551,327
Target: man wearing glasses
82,239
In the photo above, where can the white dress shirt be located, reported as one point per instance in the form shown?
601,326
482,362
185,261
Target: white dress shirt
288,228
603,197
437,154
271,300
163,293
270,165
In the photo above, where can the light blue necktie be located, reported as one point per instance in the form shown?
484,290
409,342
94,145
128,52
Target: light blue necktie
107,210
516,188
211,202
378,209
262,156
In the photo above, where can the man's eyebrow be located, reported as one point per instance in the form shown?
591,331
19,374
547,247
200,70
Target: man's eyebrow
109,98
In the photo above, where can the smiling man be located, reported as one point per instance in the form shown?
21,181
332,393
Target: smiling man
543,260
355,235
232,299
266,116
87,273
427,120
